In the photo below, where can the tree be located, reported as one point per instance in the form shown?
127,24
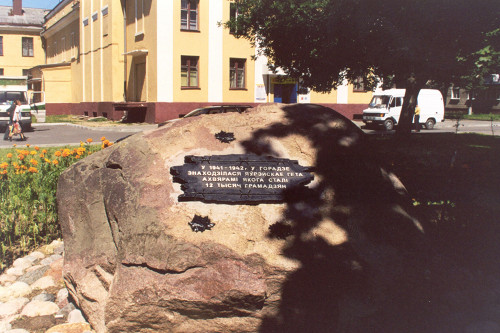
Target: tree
480,64
323,42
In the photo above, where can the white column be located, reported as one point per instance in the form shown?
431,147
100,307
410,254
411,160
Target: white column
99,15
342,93
215,51
165,47
82,49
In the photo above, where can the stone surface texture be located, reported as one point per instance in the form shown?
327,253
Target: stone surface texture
39,309
133,264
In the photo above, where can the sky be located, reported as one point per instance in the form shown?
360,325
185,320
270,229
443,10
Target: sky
48,4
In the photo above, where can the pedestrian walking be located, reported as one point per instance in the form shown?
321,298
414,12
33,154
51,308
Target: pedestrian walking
16,122
417,118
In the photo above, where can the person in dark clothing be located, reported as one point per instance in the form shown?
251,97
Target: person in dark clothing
10,113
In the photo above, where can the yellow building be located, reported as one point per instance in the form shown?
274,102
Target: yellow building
155,59
20,42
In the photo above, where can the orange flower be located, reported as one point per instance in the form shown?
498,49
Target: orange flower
9,155
44,151
20,156
33,170
25,152
33,152
27,145
89,140
103,138
4,165
34,162
55,162
57,153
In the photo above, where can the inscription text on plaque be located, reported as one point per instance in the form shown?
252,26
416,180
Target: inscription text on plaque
238,178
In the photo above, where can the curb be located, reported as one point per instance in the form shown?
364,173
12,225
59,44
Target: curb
118,128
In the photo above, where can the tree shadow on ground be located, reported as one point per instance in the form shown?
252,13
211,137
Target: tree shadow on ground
392,274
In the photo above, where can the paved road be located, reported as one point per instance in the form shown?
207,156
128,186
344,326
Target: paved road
449,126
45,135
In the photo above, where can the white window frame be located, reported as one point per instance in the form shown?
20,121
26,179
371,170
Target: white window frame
455,93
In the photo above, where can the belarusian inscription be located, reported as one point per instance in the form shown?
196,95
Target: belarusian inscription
238,178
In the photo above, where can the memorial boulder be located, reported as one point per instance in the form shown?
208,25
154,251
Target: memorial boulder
268,220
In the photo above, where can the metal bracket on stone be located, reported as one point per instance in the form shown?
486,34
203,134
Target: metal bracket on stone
201,223
225,137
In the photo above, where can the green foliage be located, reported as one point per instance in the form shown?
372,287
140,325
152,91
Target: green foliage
28,183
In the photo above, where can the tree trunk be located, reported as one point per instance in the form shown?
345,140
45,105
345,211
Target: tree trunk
407,110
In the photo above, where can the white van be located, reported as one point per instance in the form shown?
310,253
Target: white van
11,89
385,108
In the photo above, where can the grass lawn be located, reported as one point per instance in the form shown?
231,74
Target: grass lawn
485,117
82,120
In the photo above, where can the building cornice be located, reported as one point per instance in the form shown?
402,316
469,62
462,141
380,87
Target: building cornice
20,28
60,24
58,7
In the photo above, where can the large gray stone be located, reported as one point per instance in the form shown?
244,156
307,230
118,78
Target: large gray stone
132,263
32,276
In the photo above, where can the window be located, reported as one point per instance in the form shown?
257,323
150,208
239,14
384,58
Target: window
471,95
189,15
85,21
233,14
105,24
455,93
1,46
358,85
1,72
95,15
27,46
63,48
26,72
139,17
189,72
72,45
237,73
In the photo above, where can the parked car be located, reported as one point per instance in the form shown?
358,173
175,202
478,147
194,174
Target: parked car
217,109
211,110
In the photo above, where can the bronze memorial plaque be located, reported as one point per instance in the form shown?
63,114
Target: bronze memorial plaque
238,178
